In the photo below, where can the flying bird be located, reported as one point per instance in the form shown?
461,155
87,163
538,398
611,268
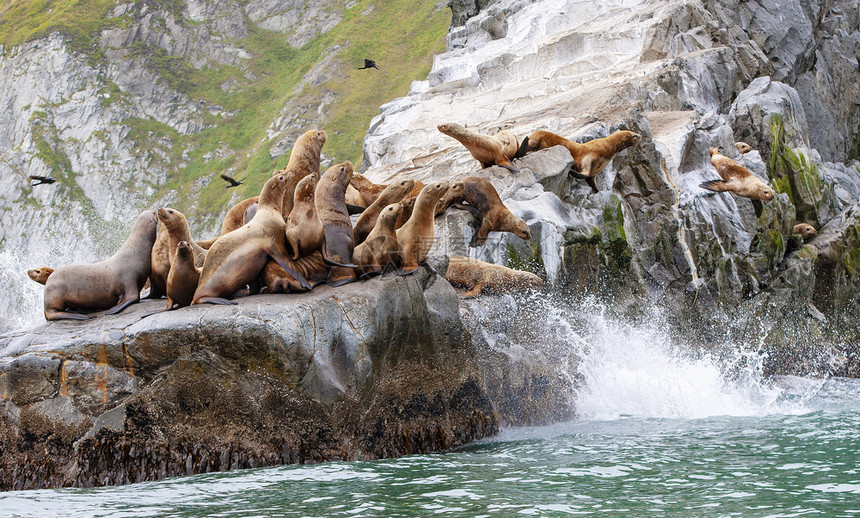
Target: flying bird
231,181
42,179
368,63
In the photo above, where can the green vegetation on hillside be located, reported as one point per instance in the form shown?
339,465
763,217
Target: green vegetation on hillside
401,36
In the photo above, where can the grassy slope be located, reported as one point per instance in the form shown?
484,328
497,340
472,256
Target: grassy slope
402,36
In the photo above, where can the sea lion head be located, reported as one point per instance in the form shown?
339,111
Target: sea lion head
630,138
764,192
743,147
184,250
41,275
521,230
451,128
455,189
390,213
713,151
528,280
169,217
805,230
306,187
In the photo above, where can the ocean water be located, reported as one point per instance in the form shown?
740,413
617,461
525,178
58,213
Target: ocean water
660,431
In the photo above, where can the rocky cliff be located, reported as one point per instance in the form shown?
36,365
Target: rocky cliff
687,76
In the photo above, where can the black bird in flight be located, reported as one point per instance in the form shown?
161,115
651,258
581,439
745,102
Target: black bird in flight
41,179
368,63
232,182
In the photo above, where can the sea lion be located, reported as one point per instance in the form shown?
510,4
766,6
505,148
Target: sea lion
114,283
477,276
237,258
183,277
304,159
275,279
406,213
589,158
394,193
330,204
739,180
743,147
40,275
304,230
176,226
487,207
381,248
159,264
366,190
416,235
235,217
804,230
489,150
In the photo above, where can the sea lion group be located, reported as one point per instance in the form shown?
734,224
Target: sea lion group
296,234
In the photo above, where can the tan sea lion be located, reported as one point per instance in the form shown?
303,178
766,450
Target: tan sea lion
235,217
416,235
477,276
176,226
394,193
381,249
330,204
804,230
40,275
406,213
489,150
114,283
275,279
737,179
304,230
589,158
743,147
237,258
415,189
367,190
183,277
159,264
304,159
486,205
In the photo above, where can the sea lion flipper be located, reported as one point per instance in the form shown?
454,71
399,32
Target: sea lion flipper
119,307
524,148
285,263
590,181
757,206
354,209
216,300
473,210
714,185
510,167
56,314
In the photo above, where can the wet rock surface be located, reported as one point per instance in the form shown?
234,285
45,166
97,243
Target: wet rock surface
370,370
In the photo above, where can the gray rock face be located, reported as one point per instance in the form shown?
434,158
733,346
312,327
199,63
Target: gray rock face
374,369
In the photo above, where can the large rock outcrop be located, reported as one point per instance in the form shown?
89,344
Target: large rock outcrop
369,370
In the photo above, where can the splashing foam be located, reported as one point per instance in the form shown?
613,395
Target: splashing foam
638,371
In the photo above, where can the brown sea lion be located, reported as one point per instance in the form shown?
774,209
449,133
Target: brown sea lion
381,249
416,235
114,283
394,193
589,158
406,213
40,275
159,264
235,217
304,159
489,150
237,258
176,226
743,147
275,279
304,229
183,277
330,204
415,189
737,179
485,204
804,230
367,190
477,276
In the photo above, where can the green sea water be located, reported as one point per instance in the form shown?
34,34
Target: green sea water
799,460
